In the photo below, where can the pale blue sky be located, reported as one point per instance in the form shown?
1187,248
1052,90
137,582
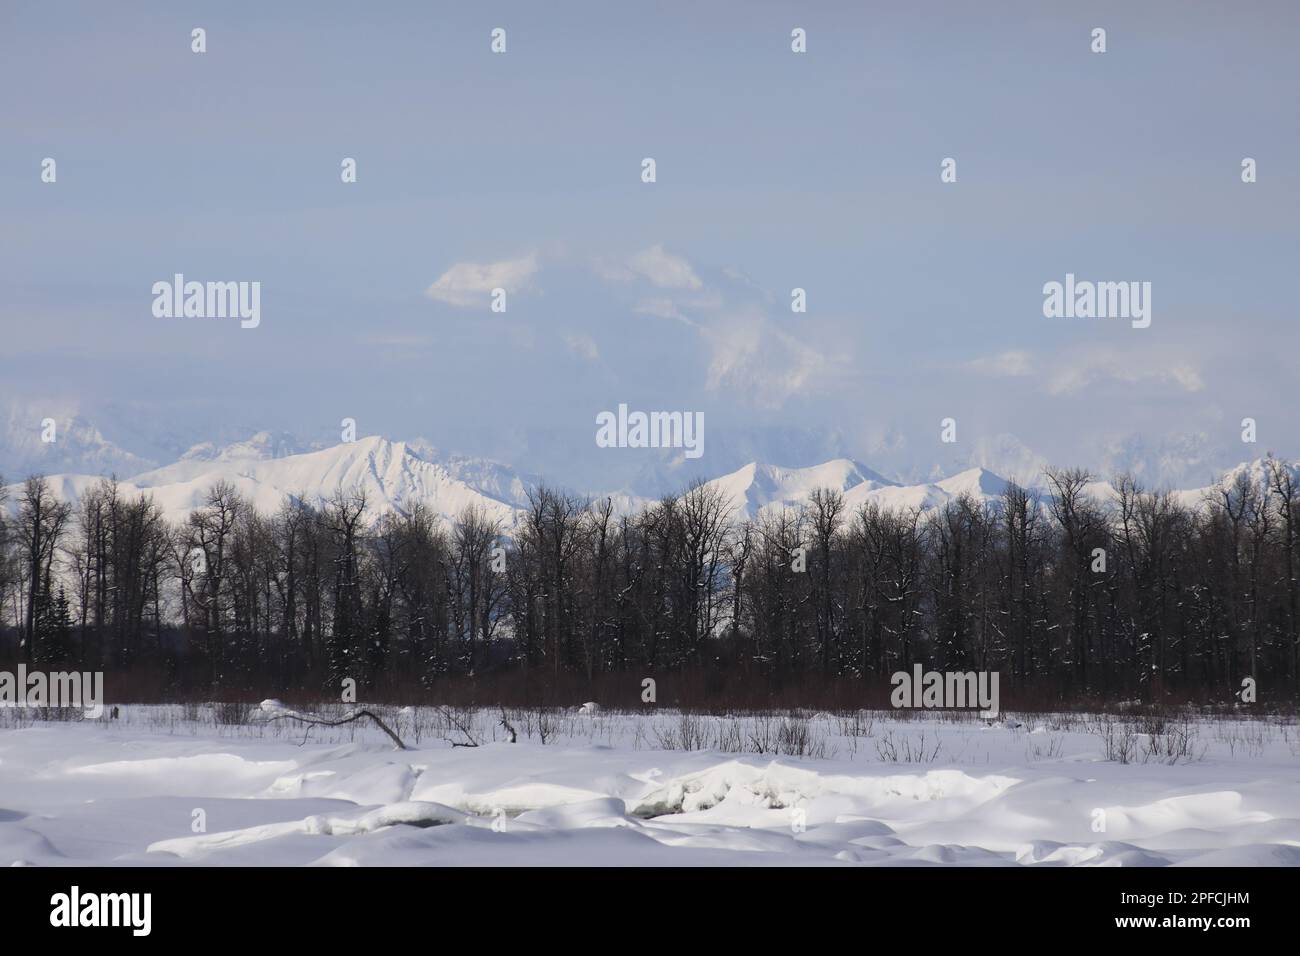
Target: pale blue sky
775,170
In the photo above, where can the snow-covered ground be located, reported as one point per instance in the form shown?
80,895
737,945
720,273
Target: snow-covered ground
175,785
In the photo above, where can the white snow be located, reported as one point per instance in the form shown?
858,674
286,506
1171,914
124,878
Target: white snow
603,790
392,477
267,468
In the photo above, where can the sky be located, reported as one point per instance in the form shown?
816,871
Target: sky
775,170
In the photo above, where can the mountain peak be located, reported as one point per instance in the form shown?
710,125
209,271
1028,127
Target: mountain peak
267,467
77,445
979,482
259,447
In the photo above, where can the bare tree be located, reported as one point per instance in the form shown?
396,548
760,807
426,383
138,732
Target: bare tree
40,526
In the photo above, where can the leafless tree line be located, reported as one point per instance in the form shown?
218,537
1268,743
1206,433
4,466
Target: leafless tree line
1139,596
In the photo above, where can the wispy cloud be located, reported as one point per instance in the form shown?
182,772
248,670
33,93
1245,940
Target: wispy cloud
583,346
752,356
1012,364
654,265
749,355
663,309
1081,371
1077,370
469,285
397,341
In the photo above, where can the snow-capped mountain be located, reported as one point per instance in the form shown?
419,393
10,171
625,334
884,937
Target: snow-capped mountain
1256,474
392,477
899,457
757,488
978,483
1175,460
262,445
395,475
77,446
484,475
390,474
269,467
228,461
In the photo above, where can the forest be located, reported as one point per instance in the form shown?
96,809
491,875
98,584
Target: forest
1075,601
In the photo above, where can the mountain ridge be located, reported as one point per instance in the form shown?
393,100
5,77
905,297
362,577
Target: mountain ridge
395,476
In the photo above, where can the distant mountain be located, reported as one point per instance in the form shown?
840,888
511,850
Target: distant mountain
1255,473
758,487
260,446
1171,461
482,474
395,475
78,446
269,467
392,476
1001,454
127,440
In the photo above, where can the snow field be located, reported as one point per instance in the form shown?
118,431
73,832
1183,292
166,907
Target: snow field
218,785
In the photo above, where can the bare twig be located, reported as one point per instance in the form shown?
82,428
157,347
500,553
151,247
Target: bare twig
355,715
453,721
514,737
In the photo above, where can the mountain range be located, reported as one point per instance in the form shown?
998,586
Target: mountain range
268,467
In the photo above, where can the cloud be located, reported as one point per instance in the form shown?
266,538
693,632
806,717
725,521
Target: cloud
397,341
663,309
1011,364
749,355
654,265
1112,365
664,269
583,346
1077,371
469,285
752,356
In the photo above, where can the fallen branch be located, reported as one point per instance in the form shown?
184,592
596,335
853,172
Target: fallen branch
312,719
453,721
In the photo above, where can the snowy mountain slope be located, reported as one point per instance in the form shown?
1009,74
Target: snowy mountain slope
906,462
758,486
489,477
392,477
978,483
268,468
1170,461
263,444
1255,472
209,457
78,446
